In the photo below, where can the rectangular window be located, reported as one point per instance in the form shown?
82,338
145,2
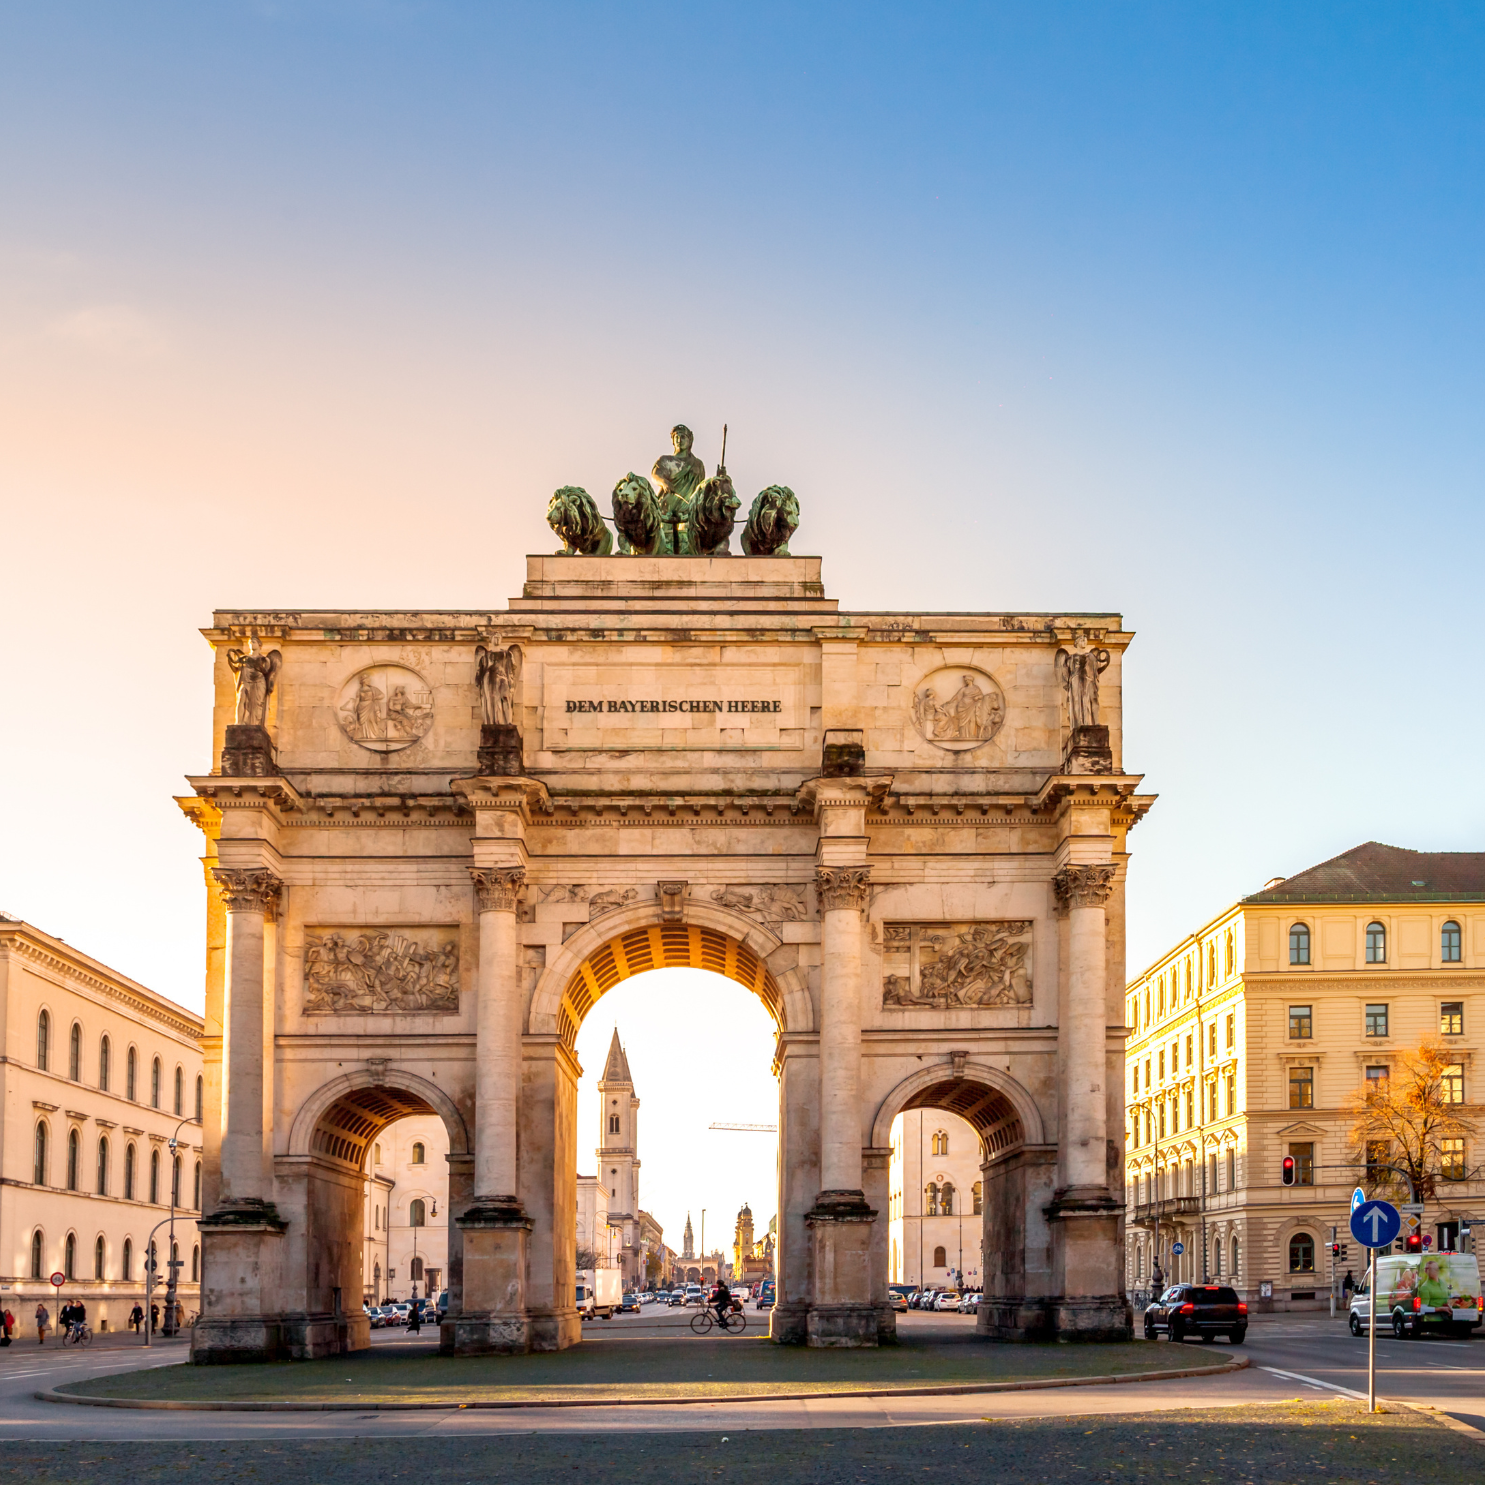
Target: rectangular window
1212,1040
1376,1074
1451,1159
1376,1020
1451,1084
1149,1127
1189,1043
1231,1169
1147,1074
1162,1064
1212,1174
1301,1088
1190,1107
1303,1156
1162,1118
1301,1024
1232,1031
1231,1094
1376,1158
1451,1018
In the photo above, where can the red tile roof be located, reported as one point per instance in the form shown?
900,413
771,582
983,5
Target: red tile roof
1377,873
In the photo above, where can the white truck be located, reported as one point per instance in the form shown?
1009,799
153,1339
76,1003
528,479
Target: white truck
600,1291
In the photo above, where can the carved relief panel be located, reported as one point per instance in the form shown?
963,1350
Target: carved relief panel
374,971
945,965
385,708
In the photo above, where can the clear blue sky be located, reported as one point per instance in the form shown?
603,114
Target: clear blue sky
1169,309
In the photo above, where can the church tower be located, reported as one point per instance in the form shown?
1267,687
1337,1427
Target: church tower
618,1155
688,1249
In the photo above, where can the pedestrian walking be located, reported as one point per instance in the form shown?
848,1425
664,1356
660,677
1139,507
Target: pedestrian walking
8,1321
415,1317
43,1319
154,1319
136,1318
1348,1284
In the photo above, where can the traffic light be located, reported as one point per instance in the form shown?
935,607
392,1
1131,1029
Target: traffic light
1289,1170
1335,1250
1413,1243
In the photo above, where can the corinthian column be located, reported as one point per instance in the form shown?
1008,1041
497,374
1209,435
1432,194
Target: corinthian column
1081,893
842,892
497,1038
251,898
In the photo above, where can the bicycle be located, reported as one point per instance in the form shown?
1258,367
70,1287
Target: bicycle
734,1324
78,1335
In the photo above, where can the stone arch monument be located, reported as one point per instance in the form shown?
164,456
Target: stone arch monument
435,839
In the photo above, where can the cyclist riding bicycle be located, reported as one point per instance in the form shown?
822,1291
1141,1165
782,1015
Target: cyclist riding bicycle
722,1301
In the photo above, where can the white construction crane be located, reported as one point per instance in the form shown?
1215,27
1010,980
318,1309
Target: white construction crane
750,1128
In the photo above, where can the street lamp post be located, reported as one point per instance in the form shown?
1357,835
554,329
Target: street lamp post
172,1263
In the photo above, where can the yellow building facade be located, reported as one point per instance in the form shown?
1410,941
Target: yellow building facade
1245,1041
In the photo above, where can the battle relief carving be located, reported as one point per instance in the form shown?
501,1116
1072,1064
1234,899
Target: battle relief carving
958,708
358,971
943,965
386,708
773,904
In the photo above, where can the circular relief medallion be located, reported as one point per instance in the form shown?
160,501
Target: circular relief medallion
958,708
386,707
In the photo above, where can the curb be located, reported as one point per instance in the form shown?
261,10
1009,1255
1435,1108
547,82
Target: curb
155,1405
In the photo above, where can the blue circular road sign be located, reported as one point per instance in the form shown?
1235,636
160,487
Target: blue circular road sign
1178,1248
1376,1224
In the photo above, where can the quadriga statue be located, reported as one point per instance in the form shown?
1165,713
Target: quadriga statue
574,517
773,519
711,517
639,518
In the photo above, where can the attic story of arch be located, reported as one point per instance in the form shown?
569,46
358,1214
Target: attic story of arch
435,838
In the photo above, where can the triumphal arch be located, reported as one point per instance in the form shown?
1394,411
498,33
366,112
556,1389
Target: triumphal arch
436,839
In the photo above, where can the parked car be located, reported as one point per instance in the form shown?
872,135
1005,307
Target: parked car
898,1294
948,1299
1207,1310
1421,1292
442,1307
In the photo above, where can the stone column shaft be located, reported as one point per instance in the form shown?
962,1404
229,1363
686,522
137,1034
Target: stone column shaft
842,892
251,898
498,1036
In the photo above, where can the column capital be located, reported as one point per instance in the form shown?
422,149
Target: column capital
248,891
842,886
499,888
1083,886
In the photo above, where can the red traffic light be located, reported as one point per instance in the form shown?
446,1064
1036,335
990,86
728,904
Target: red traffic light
1289,1170
1413,1243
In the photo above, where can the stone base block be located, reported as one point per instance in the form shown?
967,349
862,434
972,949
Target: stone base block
1011,1320
844,754
247,753
501,754
556,1331
241,1338
492,1316
1101,1318
788,1323
484,1335
310,1337
1088,751
843,1325
843,1310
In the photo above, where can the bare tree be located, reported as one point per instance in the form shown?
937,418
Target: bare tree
1415,1120
586,1258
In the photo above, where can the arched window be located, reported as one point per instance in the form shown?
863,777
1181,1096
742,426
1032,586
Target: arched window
613,1124
417,1153
69,1256
1301,1254
43,1039
175,1180
1234,1271
129,1172
416,1268
1298,943
930,1200
1217,1259
180,1091
102,1165
154,1177
74,1149
36,1255
75,1053
1212,963
200,1098
127,1271
38,1164
98,1253
416,1212
131,1075
977,1191
941,1142
940,1258
376,1154
196,1264
1228,952
155,1084
103,1059
946,1199
376,1280
196,1189
1376,944
1449,943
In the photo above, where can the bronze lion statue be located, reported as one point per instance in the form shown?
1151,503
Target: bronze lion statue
711,517
574,517
639,518
773,519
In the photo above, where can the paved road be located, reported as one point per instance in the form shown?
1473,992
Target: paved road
1293,1356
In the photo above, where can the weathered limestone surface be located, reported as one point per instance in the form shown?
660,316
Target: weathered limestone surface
437,932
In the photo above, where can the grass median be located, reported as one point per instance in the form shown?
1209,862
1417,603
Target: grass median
605,1370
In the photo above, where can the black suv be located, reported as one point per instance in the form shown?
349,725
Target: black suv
1207,1310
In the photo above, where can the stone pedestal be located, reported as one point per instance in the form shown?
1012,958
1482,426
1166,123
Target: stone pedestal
844,754
242,1262
842,1310
1089,1259
500,751
247,753
493,1317
1088,751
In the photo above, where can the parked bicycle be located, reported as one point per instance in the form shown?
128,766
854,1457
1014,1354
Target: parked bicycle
734,1324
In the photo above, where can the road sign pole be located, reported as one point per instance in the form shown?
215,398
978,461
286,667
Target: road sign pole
1371,1336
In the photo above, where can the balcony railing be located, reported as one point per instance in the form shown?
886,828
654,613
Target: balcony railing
1169,1206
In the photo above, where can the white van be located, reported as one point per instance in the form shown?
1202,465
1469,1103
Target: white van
1437,1291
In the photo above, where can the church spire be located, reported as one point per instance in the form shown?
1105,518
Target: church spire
616,1069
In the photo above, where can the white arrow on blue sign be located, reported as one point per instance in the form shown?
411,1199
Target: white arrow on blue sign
1357,1197
1178,1248
1376,1224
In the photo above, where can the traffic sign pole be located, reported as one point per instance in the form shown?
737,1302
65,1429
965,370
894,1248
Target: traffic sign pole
1371,1337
